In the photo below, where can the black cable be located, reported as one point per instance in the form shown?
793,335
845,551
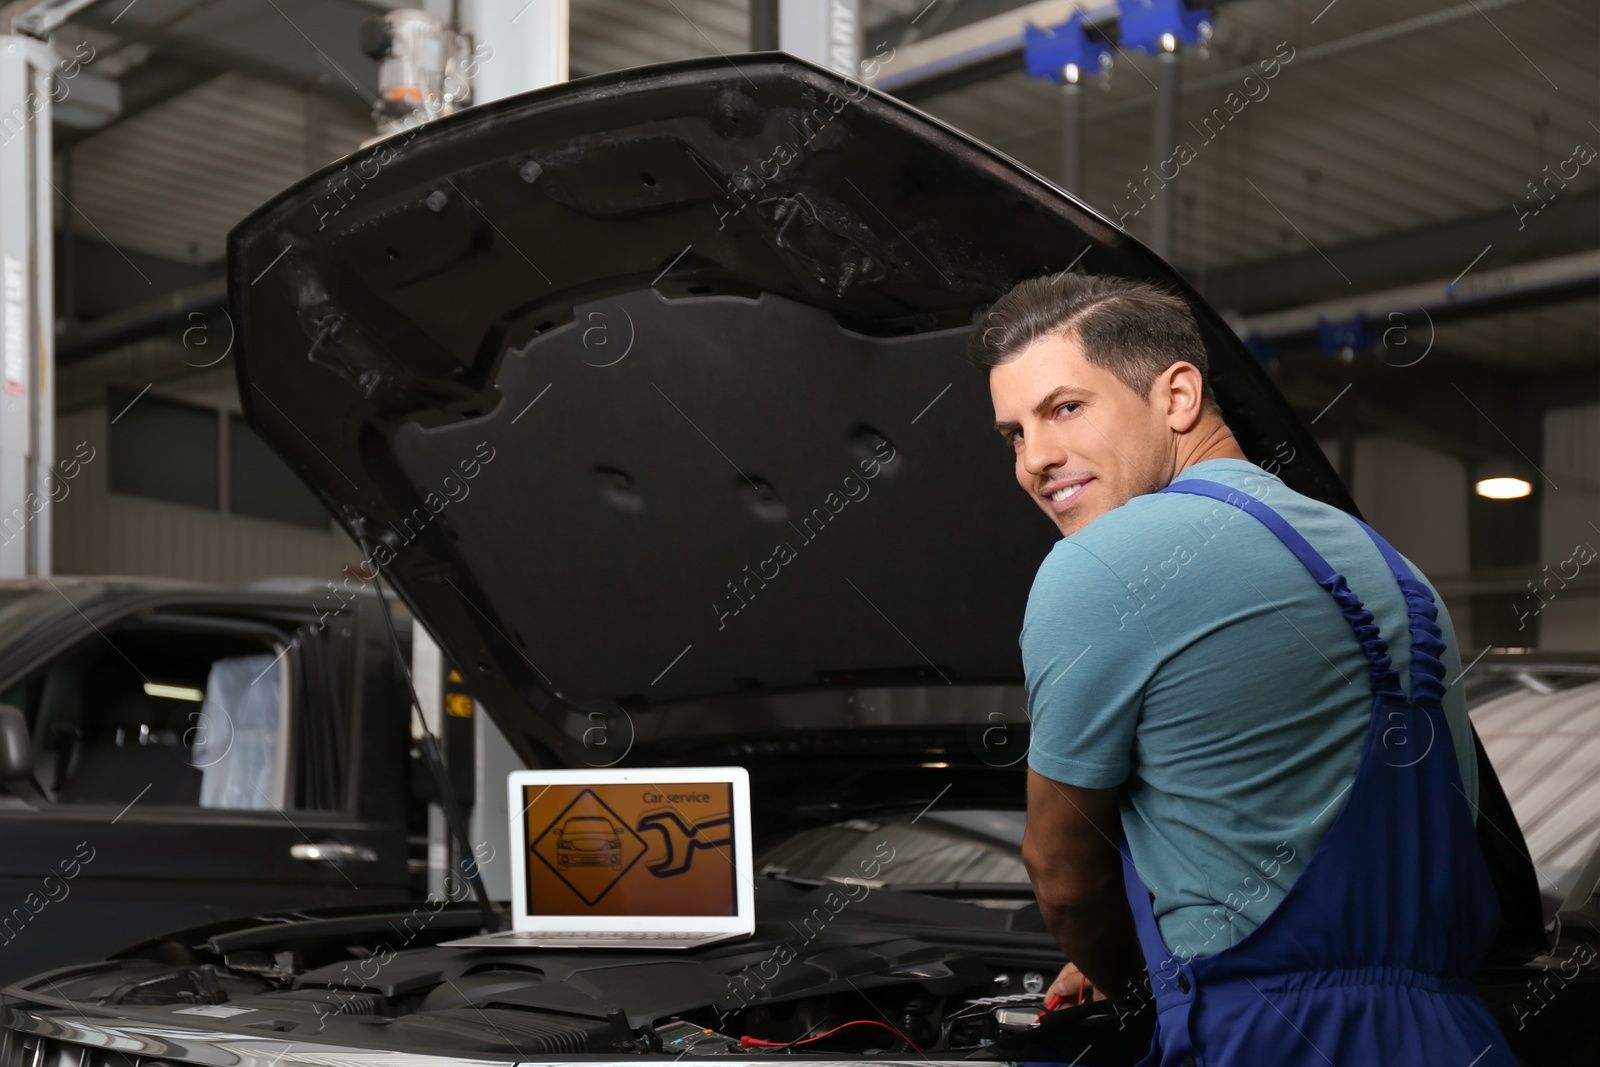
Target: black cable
441,776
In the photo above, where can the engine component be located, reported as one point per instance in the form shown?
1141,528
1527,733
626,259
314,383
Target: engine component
1014,1018
812,978
685,1038
757,1042
317,1001
526,1033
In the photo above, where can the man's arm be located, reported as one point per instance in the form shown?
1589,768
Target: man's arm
1076,872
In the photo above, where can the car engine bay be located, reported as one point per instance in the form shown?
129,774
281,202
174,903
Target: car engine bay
881,982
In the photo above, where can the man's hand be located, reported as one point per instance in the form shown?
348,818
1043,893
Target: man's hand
1070,851
1073,986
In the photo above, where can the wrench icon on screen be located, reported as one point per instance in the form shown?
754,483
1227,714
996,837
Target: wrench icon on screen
682,839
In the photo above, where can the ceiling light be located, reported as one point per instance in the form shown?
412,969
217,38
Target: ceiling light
173,692
1502,479
1503,488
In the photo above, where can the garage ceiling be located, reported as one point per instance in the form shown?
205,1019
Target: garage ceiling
1393,114
173,180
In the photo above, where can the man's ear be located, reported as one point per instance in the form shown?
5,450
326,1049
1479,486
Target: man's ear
1183,388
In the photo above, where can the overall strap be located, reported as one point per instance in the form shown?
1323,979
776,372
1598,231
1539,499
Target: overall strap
1360,620
1422,613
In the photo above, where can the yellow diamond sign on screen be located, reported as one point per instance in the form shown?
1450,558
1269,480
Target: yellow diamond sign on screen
589,847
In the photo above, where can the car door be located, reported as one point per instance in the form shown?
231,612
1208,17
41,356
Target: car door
193,762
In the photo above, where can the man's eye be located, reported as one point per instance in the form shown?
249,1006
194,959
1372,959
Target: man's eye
1069,407
1013,437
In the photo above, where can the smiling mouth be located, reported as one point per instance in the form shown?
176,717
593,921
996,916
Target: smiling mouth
1063,498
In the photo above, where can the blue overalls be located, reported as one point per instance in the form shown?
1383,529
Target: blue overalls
1368,960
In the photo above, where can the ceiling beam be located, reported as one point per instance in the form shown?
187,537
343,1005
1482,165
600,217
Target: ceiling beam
1484,291
201,53
38,18
974,52
150,84
981,49
904,81
1568,224
164,314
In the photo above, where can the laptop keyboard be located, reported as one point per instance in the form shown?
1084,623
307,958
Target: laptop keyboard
610,935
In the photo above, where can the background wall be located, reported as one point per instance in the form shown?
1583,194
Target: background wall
1569,520
98,531
1416,498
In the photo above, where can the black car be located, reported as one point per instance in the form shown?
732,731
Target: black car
174,753
646,393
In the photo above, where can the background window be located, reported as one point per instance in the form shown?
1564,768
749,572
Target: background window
163,449
262,485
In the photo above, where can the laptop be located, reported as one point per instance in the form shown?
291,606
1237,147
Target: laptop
639,858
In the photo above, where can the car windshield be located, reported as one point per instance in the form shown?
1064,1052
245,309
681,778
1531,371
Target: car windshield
932,851
21,608
958,851
837,707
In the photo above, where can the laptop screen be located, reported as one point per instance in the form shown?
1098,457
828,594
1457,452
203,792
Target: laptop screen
630,849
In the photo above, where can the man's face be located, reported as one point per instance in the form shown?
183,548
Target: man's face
1084,442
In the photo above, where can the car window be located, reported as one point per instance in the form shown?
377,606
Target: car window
173,714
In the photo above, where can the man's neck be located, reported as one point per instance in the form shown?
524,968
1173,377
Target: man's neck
1211,440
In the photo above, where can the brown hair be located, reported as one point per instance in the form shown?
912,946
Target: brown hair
1133,329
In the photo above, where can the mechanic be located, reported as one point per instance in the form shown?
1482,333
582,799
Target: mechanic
1235,804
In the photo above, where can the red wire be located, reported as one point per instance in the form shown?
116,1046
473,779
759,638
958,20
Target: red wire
756,1042
1052,1002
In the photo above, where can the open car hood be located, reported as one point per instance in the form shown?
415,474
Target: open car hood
650,385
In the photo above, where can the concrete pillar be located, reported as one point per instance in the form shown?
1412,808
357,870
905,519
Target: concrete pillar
1163,136
526,45
29,79
827,32
1072,138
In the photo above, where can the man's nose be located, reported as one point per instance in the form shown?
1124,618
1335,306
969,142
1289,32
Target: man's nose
1041,455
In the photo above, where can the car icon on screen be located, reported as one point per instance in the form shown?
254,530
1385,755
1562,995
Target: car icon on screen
588,841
